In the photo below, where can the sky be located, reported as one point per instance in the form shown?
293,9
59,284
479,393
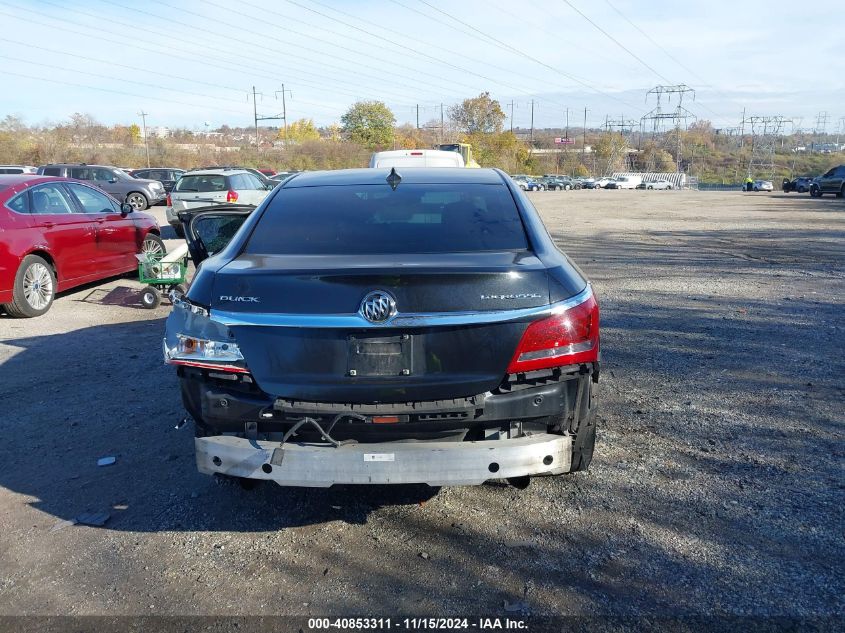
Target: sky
194,64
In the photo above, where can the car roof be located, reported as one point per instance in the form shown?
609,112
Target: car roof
409,175
214,172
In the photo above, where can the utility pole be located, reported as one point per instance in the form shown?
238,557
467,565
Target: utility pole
255,115
442,129
143,116
418,116
532,123
566,132
511,105
285,114
584,143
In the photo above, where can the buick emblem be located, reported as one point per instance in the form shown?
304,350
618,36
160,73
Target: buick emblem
378,307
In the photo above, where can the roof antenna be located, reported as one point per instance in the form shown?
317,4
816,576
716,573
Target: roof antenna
393,179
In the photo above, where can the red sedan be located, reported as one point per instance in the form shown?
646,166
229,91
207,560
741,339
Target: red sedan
57,233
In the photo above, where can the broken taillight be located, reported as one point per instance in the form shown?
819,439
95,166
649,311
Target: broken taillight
568,338
231,196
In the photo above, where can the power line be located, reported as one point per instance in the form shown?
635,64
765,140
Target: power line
318,53
205,59
613,39
667,53
403,47
508,47
118,92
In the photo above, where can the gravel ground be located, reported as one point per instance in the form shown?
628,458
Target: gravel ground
717,485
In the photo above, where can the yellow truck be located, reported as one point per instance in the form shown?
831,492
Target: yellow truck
464,149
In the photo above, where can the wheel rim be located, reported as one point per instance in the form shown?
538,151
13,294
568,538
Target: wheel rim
38,286
151,247
137,201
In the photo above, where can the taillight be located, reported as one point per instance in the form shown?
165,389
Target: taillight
168,201
231,196
568,338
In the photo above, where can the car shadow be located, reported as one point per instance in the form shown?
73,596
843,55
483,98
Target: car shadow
104,391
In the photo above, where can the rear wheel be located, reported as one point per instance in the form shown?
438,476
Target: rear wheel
841,192
137,200
34,289
150,298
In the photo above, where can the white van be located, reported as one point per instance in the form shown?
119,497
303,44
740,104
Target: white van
628,182
417,158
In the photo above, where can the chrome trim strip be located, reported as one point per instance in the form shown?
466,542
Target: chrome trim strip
357,322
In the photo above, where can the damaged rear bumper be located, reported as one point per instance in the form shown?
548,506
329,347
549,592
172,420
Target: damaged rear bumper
429,462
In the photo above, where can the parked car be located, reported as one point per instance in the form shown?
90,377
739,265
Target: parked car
526,183
18,169
199,188
559,183
589,183
801,184
656,184
762,185
167,176
139,192
363,326
282,175
269,173
59,233
624,182
602,183
833,181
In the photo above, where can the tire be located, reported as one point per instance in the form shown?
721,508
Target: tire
179,289
153,244
150,298
841,192
138,200
34,289
566,187
584,440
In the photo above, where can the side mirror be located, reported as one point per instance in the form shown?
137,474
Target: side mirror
112,180
126,209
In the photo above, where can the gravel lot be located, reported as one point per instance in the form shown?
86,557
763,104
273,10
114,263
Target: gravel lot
717,486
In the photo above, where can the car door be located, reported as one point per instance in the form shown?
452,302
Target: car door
838,179
64,232
256,191
115,233
108,181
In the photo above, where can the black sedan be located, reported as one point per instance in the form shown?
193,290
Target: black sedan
366,326
800,184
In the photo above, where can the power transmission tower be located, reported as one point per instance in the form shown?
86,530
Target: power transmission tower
765,131
144,116
658,116
282,116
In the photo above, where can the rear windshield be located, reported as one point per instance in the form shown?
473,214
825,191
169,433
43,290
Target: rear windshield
373,219
202,183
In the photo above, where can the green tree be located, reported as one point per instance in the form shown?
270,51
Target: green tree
480,114
301,131
369,123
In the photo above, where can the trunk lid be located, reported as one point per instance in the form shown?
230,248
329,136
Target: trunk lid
296,319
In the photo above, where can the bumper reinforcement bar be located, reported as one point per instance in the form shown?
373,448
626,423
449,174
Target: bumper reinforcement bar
434,463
